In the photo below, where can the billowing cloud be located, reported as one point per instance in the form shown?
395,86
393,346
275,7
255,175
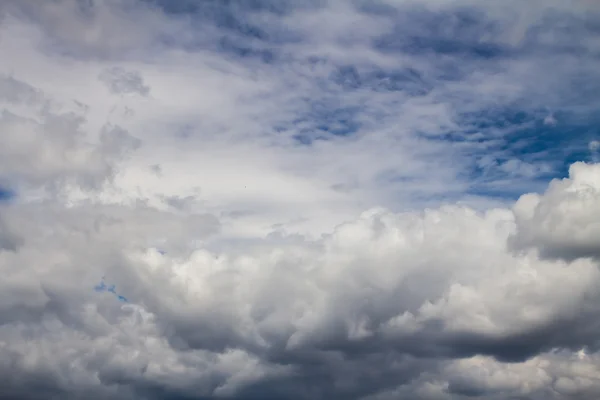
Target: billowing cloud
305,200
565,221
388,303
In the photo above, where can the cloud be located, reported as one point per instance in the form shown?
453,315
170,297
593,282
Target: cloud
564,222
400,294
306,200
120,81
45,145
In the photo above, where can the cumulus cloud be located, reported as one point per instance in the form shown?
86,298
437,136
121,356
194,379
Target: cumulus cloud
305,200
399,294
565,221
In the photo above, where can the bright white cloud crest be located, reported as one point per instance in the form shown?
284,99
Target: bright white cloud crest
192,209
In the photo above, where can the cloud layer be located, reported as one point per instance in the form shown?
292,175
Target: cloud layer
432,304
299,200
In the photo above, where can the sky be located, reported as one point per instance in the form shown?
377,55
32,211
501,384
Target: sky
299,199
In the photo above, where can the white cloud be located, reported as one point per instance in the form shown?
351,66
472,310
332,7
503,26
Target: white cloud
550,120
565,221
305,216
432,284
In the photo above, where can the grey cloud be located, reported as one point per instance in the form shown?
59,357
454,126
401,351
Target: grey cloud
9,241
180,202
383,304
47,147
121,81
445,303
91,29
14,91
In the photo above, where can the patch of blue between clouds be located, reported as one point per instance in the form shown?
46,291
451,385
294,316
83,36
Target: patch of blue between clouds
323,120
455,33
420,33
407,80
505,137
7,195
224,11
238,34
103,287
329,117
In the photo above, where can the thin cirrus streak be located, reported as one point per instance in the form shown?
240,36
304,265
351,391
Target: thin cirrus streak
299,199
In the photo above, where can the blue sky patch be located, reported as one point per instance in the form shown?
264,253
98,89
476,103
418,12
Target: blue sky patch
455,33
517,146
6,194
103,287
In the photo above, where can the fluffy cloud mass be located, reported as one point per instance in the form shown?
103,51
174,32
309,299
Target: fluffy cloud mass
299,200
